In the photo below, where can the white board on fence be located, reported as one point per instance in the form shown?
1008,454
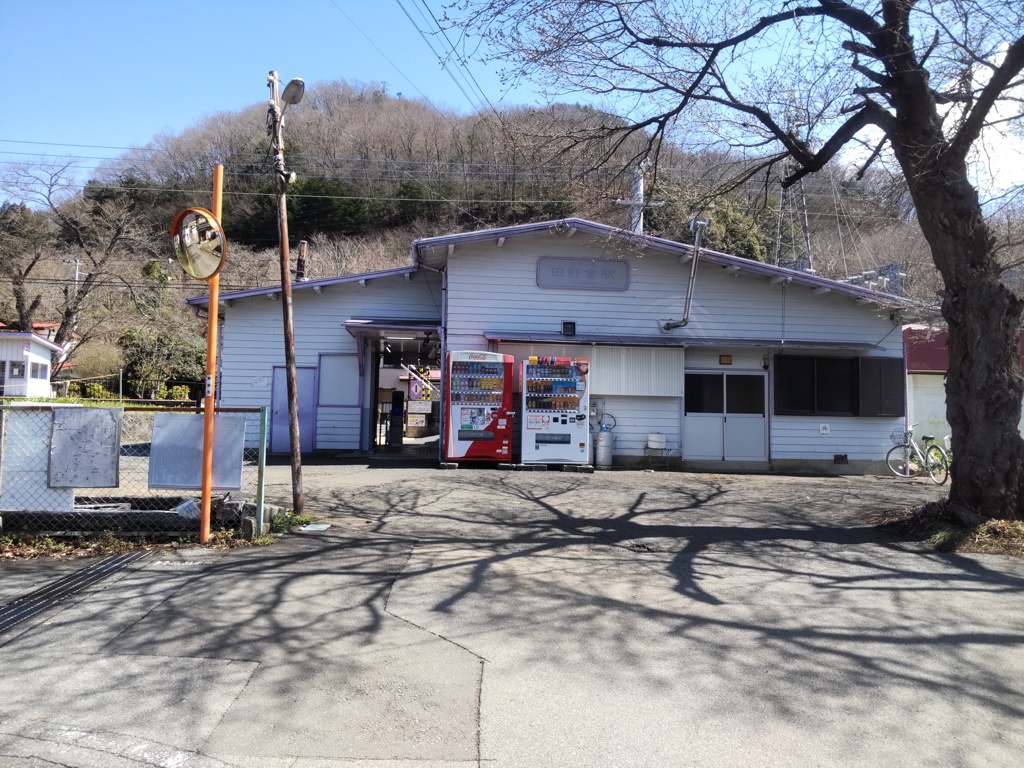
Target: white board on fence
176,453
85,447
26,456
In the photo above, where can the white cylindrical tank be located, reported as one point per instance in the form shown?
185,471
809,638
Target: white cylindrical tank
656,440
605,444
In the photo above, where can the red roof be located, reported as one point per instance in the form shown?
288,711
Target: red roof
926,349
36,326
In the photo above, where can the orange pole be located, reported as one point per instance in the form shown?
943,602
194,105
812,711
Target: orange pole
211,372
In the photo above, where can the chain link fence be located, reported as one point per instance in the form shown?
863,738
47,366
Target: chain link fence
69,470
159,391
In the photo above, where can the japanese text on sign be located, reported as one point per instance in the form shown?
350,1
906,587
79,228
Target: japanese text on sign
582,274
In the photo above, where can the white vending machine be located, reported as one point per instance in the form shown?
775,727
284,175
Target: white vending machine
555,410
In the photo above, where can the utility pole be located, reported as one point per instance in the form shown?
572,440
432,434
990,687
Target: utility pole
74,296
636,203
292,95
300,263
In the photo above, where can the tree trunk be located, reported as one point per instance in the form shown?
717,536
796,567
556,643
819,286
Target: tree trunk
983,399
983,383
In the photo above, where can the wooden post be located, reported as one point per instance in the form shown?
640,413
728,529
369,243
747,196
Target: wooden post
280,182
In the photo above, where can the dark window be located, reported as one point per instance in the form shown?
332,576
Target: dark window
794,385
839,386
836,386
744,394
704,393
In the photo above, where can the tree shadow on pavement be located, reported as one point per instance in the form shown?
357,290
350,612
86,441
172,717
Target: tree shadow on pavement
774,583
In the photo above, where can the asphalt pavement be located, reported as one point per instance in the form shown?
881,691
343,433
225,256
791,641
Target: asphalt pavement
489,618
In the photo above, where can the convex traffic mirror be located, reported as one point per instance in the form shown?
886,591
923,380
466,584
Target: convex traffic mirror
199,244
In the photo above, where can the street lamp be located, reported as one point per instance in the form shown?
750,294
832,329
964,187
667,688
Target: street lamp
292,95
293,92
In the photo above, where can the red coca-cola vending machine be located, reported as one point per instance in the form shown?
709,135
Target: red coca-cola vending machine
478,407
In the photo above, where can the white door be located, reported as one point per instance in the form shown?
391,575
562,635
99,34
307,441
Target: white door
746,428
704,417
280,434
725,417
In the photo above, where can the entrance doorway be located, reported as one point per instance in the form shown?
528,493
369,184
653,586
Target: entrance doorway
725,417
407,372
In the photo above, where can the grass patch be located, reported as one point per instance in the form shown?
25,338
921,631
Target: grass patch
284,523
934,524
231,538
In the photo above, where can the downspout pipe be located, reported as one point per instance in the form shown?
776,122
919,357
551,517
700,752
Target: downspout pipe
698,228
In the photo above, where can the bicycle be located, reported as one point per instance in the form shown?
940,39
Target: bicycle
906,459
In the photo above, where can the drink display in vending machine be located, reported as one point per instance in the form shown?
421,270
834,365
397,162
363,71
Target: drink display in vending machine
478,405
556,403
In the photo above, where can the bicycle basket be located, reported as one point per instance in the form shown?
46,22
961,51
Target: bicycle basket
900,436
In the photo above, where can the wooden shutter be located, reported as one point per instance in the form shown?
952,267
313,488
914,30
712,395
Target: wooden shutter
882,386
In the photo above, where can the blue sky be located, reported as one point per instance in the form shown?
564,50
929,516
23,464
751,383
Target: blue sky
89,78
115,73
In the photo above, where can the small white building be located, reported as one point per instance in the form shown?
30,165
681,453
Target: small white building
765,369
25,364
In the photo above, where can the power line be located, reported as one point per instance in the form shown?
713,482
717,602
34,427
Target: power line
440,59
439,199
389,61
64,144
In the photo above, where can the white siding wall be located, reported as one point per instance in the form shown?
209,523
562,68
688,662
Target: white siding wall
337,429
637,417
927,398
252,340
495,289
862,439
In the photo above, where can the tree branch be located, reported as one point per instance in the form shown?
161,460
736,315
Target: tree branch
1013,64
871,158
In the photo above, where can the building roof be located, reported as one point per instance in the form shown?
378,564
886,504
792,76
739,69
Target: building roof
31,337
433,252
303,285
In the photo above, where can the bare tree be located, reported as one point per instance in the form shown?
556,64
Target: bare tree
98,237
26,238
792,84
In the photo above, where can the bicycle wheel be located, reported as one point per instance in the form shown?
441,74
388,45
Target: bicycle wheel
903,461
937,463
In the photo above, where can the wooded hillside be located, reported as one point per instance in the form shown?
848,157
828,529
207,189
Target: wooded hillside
376,170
